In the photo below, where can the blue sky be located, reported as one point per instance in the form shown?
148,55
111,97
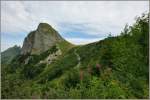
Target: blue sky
79,22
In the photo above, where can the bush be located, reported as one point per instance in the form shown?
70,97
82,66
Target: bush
32,71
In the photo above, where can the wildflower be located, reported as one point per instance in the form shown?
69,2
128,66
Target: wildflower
81,75
89,70
98,66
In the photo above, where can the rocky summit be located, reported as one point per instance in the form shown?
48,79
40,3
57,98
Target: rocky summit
40,40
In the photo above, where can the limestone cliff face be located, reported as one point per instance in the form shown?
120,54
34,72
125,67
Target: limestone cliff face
40,40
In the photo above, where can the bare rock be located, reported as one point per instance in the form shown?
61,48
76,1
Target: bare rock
40,40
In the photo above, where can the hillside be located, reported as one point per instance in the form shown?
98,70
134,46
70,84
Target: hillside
9,54
116,67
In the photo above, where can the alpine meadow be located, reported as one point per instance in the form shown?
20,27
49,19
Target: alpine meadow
48,66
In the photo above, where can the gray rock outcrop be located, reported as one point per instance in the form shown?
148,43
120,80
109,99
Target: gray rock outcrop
52,57
40,40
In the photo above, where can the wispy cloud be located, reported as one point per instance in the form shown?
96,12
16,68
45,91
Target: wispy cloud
94,18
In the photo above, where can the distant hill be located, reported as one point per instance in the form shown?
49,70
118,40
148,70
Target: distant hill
9,54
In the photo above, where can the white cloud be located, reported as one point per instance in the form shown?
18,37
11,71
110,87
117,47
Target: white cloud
82,41
98,17
24,15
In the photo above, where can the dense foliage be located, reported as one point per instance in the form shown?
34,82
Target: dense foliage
116,67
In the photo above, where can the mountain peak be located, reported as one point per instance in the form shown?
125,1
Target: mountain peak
41,39
44,25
